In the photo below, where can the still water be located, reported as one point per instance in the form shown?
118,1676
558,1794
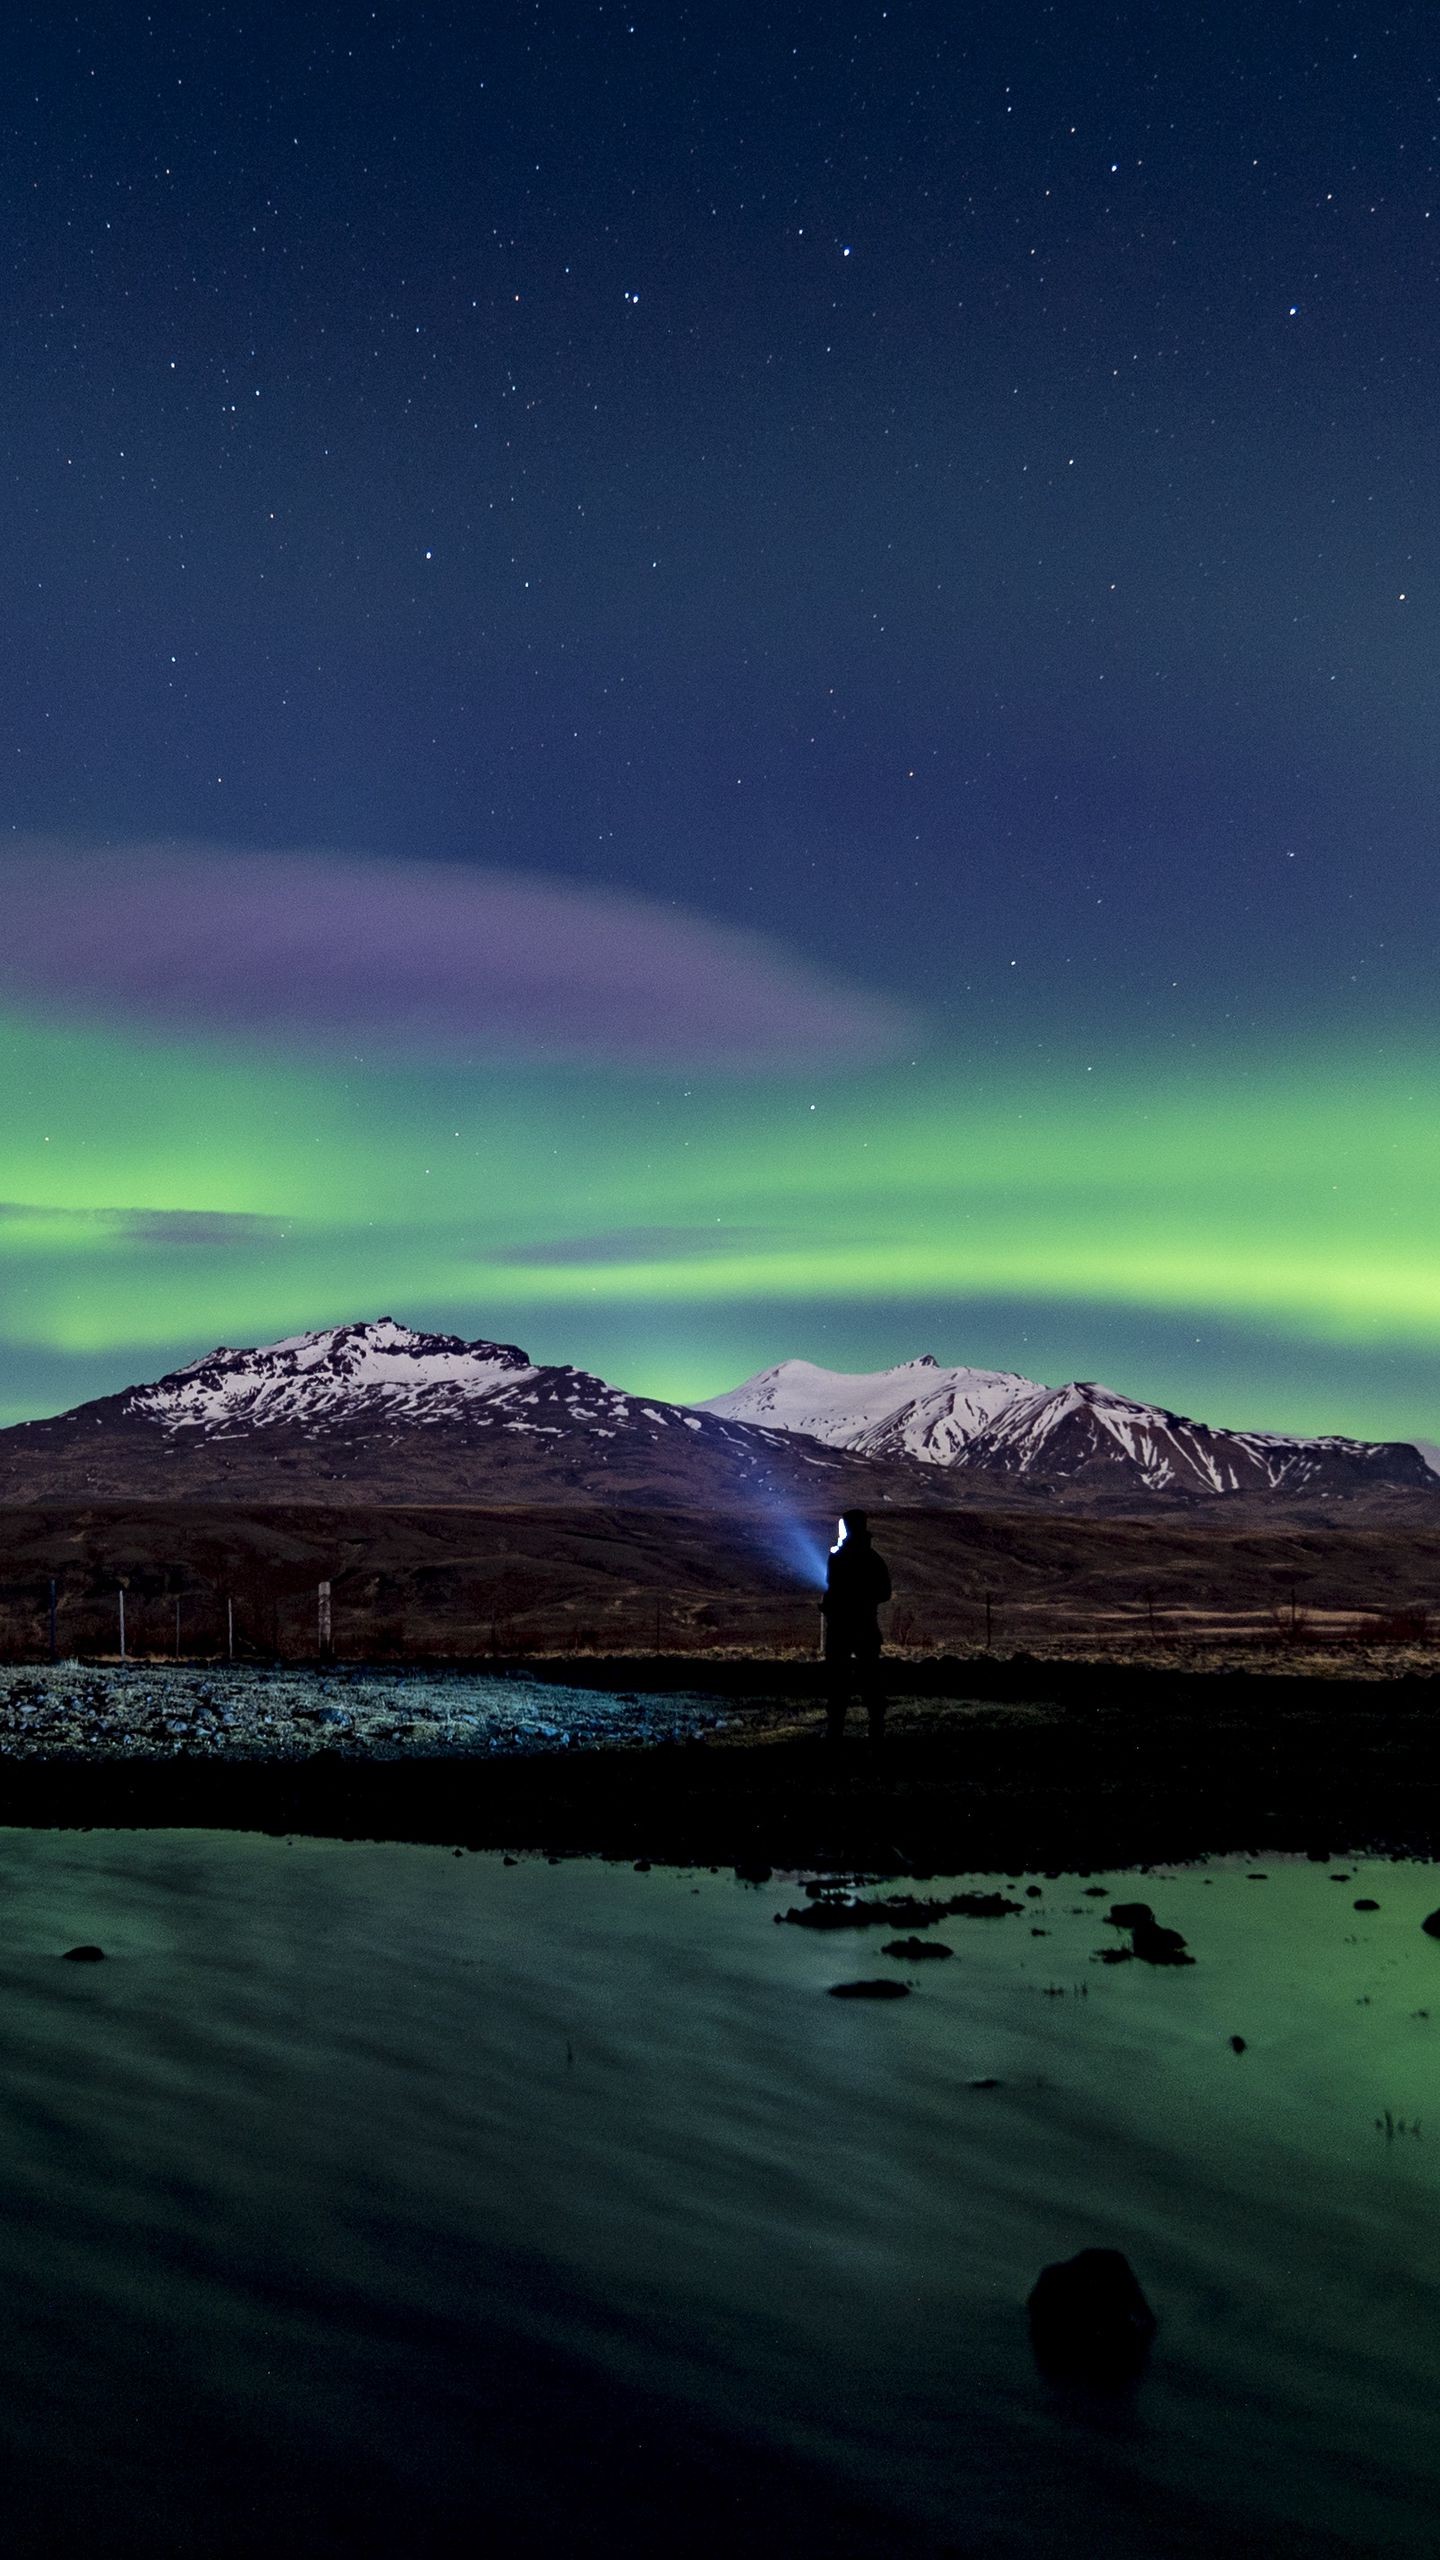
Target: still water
373,2200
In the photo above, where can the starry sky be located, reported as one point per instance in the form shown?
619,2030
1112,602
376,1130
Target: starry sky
690,685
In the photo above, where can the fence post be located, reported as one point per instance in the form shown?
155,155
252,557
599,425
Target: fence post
323,1626
121,1590
54,1647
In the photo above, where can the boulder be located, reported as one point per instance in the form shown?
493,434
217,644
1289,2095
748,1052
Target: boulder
1151,1943
1154,1945
83,1955
887,1989
1089,2320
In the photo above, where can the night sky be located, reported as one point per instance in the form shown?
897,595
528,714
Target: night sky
688,685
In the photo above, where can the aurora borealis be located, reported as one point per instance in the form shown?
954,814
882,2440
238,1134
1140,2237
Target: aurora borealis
689,695
1224,1223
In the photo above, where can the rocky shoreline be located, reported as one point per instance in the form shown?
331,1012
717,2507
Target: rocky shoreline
1073,1766
235,1712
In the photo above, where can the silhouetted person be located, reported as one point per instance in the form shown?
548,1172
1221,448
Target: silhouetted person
855,1586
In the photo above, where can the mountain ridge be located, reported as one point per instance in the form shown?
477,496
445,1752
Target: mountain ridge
376,1409
997,1424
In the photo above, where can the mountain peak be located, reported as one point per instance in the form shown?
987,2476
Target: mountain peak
376,1404
916,1409
992,1424
305,1376
378,1410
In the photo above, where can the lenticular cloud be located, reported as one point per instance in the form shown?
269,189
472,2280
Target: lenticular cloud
413,957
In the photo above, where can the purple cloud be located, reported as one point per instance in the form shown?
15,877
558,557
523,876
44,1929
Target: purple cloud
206,1227
428,957
631,1244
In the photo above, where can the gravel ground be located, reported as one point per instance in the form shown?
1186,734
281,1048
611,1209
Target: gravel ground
72,1710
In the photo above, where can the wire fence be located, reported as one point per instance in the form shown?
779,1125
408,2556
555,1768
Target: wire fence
181,1615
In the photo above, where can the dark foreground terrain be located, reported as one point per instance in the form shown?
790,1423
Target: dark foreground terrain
428,1582
1059,1765
1066,1690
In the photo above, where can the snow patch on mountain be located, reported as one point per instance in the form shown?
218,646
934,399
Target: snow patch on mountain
359,1396
374,1382
917,1410
1085,1426
313,1377
994,1423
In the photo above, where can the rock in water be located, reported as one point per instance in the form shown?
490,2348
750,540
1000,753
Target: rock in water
1431,1926
1089,2320
1154,1945
1151,1943
888,1989
83,1955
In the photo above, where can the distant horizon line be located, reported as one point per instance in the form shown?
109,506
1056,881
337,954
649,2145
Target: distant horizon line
1428,1449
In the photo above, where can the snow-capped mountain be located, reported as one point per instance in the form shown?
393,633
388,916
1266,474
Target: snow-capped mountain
314,1378
377,1410
1084,1432
987,1424
918,1410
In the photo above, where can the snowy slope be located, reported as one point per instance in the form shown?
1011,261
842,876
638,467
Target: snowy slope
989,1423
919,1409
365,1409
384,1374
318,1377
372,1410
1085,1432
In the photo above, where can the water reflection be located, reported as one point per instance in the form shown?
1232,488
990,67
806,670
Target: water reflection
377,2199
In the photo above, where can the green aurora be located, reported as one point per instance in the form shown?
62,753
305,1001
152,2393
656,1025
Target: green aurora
159,1197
